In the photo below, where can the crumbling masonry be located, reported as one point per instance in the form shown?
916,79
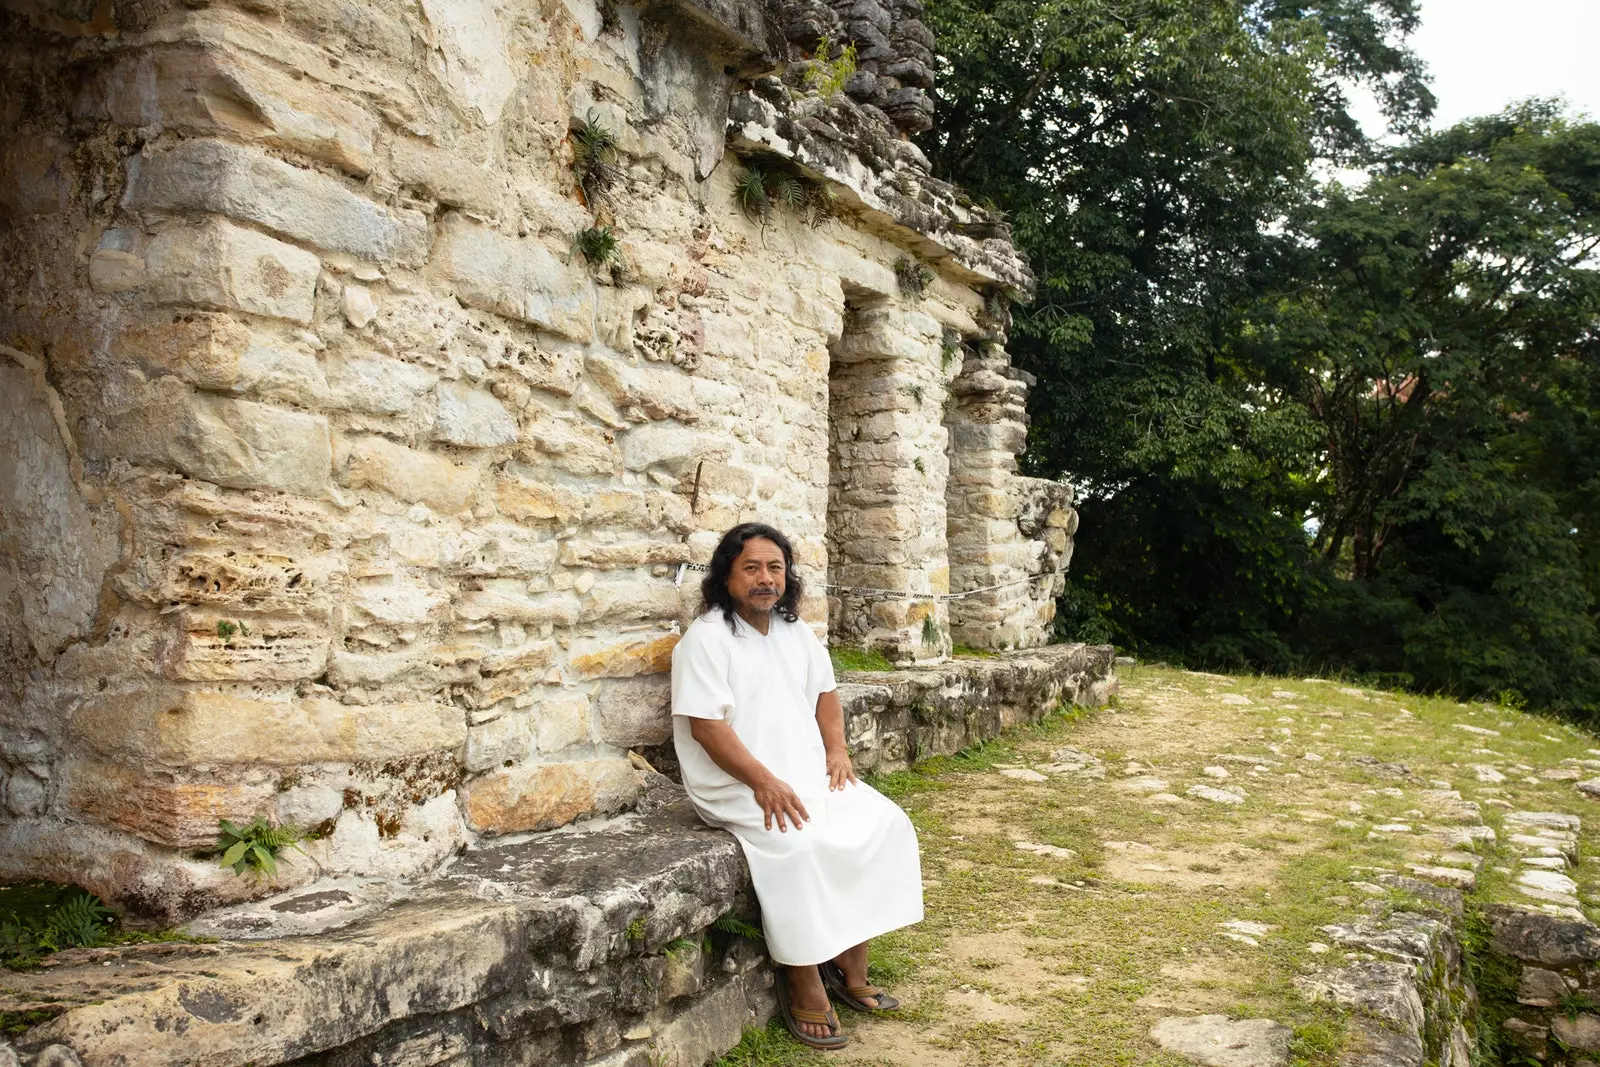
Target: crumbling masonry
340,486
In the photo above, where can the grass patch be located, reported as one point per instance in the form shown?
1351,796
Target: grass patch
968,652
859,659
769,1046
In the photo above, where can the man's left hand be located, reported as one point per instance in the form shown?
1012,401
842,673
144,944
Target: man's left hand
840,770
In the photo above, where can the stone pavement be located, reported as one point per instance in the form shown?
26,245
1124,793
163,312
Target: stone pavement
1245,872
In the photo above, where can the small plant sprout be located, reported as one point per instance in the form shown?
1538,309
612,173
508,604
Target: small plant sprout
912,277
932,635
594,158
821,204
914,391
732,924
227,628
636,929
256,846
949,347
922,468
599,247
787,192
829,73
751,193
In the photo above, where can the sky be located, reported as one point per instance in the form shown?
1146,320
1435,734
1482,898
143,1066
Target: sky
1486,53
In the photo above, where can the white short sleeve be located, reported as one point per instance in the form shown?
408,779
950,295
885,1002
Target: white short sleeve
819,669
700,687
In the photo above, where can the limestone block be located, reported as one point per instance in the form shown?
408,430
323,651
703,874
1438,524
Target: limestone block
670,446
509,737
246,184
26,793
472,418
542,797
470,58
236,443
572,445
219,265
395,602
638,553
529,501
210,646
630,600
616,507
180,728
635,711
1581,1034
176,814
306,806
561,721
235,581
221,355
496,606
625,659
444,175
428,665
554,366
653,392
115,271
60,539
376,384
669,511
219,90
514,276
404,473
501,549
1541,988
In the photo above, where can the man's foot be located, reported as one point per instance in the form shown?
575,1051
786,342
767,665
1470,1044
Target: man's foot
846,974
807,993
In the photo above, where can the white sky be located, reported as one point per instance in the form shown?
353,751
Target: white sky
1484,54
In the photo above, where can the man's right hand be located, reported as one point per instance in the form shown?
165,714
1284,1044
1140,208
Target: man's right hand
780,802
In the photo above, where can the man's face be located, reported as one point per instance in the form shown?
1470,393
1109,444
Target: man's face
758,577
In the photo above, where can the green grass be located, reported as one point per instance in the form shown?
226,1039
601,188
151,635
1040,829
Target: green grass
968,652
859,659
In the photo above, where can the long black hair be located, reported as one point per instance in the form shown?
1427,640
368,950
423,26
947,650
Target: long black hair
714,589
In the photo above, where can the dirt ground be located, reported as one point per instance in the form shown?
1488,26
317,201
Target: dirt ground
1080,887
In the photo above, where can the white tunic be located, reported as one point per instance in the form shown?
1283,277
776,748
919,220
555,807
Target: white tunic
853,871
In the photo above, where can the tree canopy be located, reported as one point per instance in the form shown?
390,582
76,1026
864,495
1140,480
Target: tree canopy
1314,425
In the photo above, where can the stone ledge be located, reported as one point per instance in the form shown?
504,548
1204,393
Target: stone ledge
548,948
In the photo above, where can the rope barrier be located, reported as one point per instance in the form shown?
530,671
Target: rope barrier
870,593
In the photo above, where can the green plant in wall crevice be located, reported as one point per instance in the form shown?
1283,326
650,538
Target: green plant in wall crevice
912,277
256,846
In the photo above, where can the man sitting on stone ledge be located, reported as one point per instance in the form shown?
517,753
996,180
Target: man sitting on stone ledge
760,737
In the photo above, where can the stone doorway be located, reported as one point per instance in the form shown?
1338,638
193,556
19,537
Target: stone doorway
888,467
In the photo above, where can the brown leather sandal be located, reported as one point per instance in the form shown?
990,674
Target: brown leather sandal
793,1017
856,996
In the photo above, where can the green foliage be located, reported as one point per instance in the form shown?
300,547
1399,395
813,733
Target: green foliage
932,634
768,1046
858,659
828,73
599,247
684,947
912,277
760,190
636,929
969,652
226,629
732,924
38,918
750,192
949,348
1312,427
256,846
594,159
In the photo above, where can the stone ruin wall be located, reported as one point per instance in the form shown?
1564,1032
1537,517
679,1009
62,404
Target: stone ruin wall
334,488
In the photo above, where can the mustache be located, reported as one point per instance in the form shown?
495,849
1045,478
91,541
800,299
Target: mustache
757,590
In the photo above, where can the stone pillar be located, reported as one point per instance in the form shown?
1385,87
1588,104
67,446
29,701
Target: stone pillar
886,497
1004,530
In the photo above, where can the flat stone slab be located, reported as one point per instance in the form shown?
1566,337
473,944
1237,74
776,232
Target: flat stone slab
1217,1041
1215,795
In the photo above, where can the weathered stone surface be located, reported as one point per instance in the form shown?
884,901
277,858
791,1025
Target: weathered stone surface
250,186
635,712
1581,1034
1534,937
236,443
1217,1041
378,463
219,265
179,728
542,796
178,814
472,418
514,276
218,354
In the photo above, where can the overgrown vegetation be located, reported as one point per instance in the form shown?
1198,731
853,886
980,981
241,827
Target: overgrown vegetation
256,846
762,189
1313,427
38,918
831,67
859,659
594,161
912,276
599,247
